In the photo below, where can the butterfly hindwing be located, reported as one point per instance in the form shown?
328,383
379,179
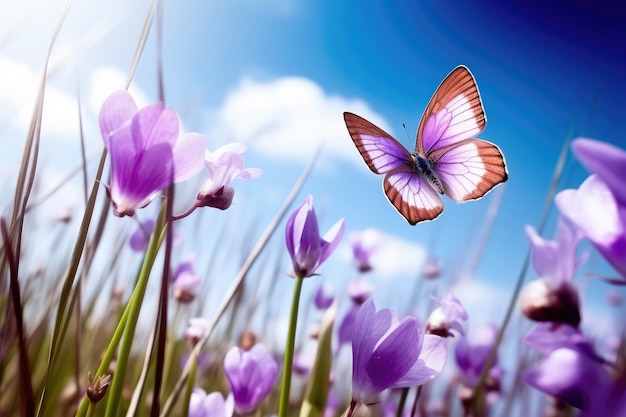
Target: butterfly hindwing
381,152
469,169
411,195
454,113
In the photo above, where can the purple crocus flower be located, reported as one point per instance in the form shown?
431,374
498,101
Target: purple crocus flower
446,317
389,353
364,244
307,249
146,152
324,296
212,405
141,236
570,369
471,355
552,297
186,282
252,374
597,213
224,165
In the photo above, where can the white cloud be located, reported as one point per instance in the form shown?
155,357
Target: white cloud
485,303
289,118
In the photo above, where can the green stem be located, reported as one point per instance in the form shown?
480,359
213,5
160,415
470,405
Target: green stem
191,381
402,402
289,347
134,308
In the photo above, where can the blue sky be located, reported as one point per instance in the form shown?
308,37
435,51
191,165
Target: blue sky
277,75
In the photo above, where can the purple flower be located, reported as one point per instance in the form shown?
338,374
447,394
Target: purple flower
146,152
606,161
251,373
359,290
212,405
446,317
186,282
324,296
552,297
141,236
224,165
599,216
307,249
388,353
570,369
364,244
346,328
471,355
198,327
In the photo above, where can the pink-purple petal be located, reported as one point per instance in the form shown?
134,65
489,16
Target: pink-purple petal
116,110
331,239
605,160
391,360
154,124
188,156
429,365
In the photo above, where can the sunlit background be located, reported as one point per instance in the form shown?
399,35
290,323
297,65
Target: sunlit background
278,74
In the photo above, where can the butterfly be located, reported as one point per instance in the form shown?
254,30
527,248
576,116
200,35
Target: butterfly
448,159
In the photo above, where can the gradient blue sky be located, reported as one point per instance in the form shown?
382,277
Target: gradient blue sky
544,71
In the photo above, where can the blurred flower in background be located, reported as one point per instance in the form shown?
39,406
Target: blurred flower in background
251,374
552,297
598,207
446,317
211,405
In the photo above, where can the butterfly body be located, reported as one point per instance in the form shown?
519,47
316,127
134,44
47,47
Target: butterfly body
447,158
424,166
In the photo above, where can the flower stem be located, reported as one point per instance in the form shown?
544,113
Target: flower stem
289,347
402,402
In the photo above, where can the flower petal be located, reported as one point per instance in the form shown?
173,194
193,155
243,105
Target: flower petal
331,240
188,156
117,109
595,212
250,173
154,124
606,160
431,361
391,360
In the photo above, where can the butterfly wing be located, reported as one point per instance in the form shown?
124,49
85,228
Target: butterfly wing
409,192
380,151
467,167
404,186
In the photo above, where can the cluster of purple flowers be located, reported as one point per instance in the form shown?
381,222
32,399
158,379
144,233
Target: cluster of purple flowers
148,154
571,370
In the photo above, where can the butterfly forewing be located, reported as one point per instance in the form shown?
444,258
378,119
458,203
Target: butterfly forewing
381,152
454,113
412,196
469,169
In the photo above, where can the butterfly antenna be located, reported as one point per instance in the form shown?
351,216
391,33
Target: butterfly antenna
406,133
